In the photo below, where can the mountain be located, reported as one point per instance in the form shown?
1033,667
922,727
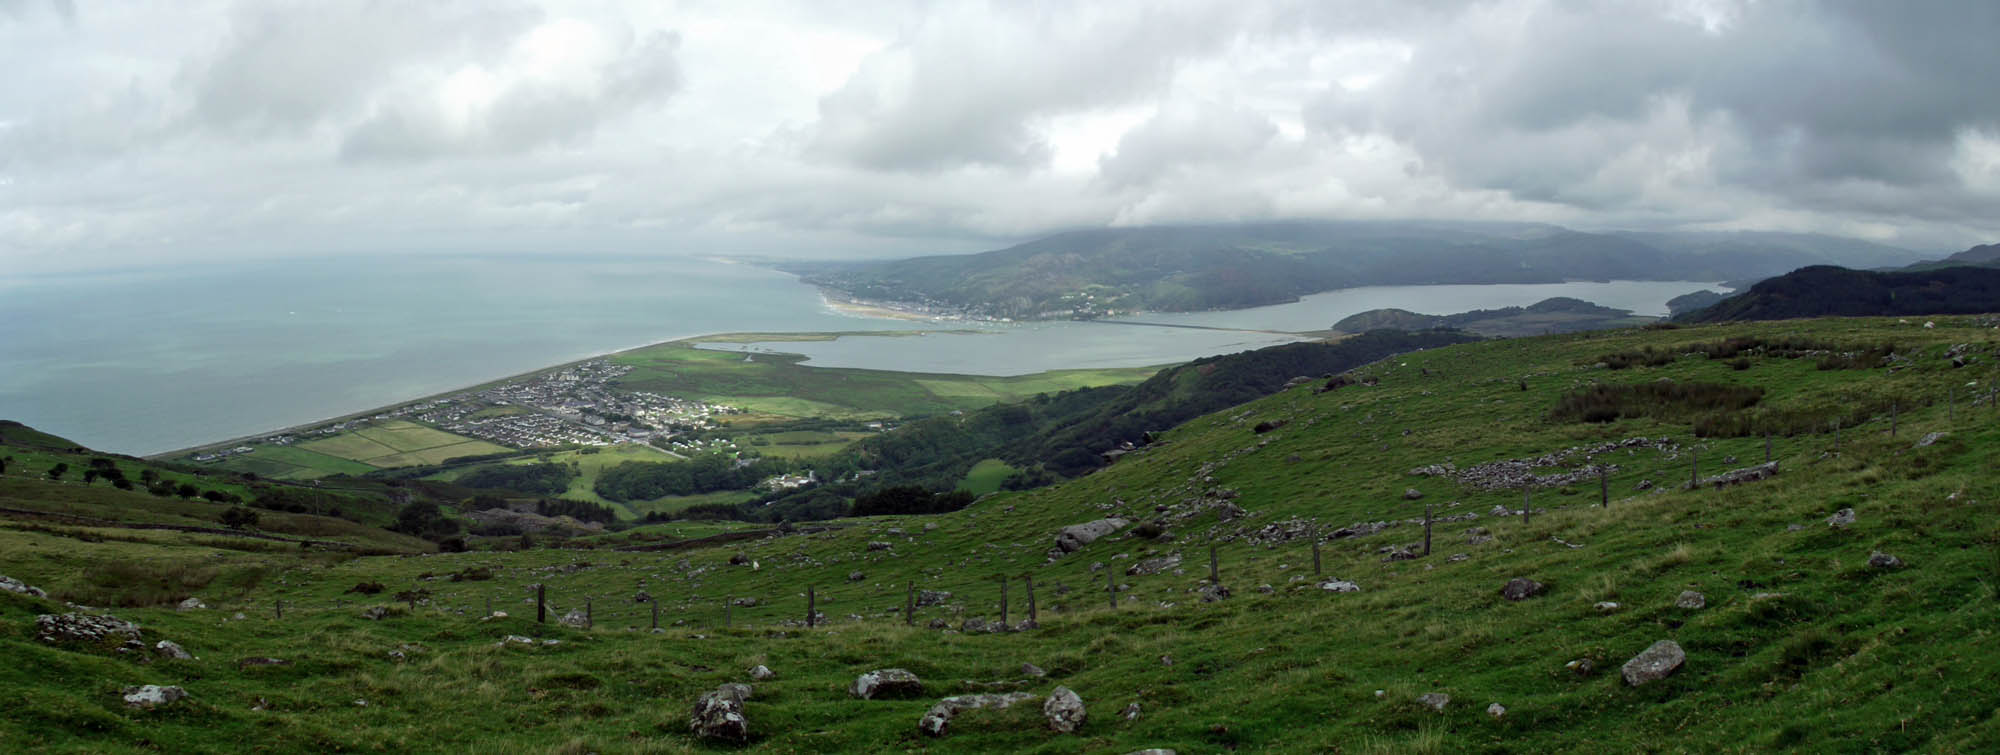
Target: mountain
1985,254
1100,272
1555,315
1825,290
1791,250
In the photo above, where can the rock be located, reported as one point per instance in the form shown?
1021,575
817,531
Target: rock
1691,600
191,604
761,673
888,682
1644,485
1521,588
1033,670
11,584
1154,565
1605,606
1496,710
1131,712
879,546
855,576
1064,711
719,714
1581,666
87,628
1266,589
376,613
1930,439
243,663
1412,494
740,559
938,718
940,623
928,598
167,649
745,602
1153,751
574,620
1434,700
1657,662
515,639
1339,585
1072,538
1212,593
1457,557
642,597
1882,560
151,696
1762,471
977,625
1841,519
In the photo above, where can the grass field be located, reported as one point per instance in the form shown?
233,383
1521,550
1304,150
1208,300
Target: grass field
986,476
778,384
589,462
1800,645
398,443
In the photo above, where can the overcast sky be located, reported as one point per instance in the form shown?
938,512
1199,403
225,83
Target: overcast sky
158,133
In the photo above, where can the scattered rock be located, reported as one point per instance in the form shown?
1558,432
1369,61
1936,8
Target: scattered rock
1064,711
167,649
82,627
719,714
11,584
642,597
1339,585
879,546
1434,700
1212,593
375,613
243,663
1412,494
1496,710
938,718
1605,606
1521,588
1738,476
761,673
1882,560
191,604
750,602
1074,537
1033,670
888,682
1581,667
1691,600
1644,485
1131,712
740,559
1457,557
928,598
151,696
1166,660
1930,439
1154,565
1841,519
855,576
574,620
1655,663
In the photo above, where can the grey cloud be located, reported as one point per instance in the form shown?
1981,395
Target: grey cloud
1205,133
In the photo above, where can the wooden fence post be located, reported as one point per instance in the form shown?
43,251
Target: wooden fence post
1603,488
541,604
1427,530
1315,555
1694,469
588,620
910,604
489,605
1003,600
279,607
812,610
1214,567
656,613
728,612
1110,589
1893,419
1033,616
1526,503
1767,448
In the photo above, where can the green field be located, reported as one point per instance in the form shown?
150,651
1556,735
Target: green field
986,476
1801,645
589,462
399,443
779,384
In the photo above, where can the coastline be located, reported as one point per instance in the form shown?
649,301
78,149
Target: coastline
843,305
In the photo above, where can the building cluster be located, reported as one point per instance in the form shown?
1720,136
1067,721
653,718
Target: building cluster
223,453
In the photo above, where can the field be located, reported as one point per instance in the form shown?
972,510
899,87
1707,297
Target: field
1800,643
986,476
778,384
589,462
399,443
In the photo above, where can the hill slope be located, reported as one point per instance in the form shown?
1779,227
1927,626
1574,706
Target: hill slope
1106,271
1555,315
1836,291
1799,643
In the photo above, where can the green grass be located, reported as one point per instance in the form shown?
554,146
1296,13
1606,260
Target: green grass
1802,646
986,476
397,443
292,463
589,463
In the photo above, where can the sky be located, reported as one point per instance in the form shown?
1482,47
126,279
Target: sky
138,134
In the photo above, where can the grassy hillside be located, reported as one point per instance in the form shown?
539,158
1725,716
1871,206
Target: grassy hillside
1801,644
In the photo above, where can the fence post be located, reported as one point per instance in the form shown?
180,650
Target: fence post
1951,404
1427,530
541,604
812,610
588,622
1767,448
1315,555
1003,600
1214,567
1893,419
910,604
1694,469
1110,589
1033,617
278,606
489,605
1836,433
656,613
1526,503
728,612
1603,488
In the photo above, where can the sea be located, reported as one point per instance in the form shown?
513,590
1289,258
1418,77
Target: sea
147,361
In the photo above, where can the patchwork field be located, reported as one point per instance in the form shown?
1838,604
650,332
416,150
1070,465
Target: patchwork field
399,443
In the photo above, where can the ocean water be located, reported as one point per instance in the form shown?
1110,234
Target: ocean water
153,360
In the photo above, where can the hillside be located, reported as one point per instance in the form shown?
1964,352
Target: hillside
1555,315
1834,291
1802,639
1111,271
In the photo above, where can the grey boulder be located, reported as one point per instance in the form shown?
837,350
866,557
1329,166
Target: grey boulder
1521,588
719,714
888,682
1655,663
1064,711
1072,538
938,719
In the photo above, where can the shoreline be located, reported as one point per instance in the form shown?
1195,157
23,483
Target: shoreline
845,306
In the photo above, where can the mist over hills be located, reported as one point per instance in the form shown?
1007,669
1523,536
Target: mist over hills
1100,272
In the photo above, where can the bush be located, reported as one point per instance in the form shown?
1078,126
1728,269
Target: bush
238,517
367,588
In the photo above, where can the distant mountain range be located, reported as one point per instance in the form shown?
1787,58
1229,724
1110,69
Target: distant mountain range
1095,273
1556,315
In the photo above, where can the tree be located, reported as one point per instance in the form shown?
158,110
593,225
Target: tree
122,484
56,472
239,517
149,476
187,490
3,464
424,519
89,476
